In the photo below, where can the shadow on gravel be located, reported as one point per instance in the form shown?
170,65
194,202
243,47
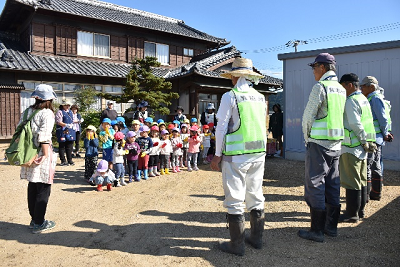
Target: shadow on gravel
282,246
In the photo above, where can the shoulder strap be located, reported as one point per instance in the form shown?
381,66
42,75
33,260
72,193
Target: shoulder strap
25,119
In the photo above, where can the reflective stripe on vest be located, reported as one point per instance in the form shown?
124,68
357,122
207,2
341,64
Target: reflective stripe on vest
250,137
350,139
331,126
388,107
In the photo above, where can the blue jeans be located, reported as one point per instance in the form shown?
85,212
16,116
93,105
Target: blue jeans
119,170
103,180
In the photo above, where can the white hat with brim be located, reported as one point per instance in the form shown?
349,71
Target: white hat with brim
91,127
65,102
243,67
44,92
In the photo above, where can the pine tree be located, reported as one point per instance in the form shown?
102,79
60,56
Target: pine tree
142,84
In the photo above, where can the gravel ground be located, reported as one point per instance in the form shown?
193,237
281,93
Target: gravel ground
176,220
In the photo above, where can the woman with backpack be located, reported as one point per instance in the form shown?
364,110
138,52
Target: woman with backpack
41,173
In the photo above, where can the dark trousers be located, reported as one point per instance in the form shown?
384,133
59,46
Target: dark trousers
322,181
65,148
38,197
90,166
77,146
374,173
153,161
164,161
132,168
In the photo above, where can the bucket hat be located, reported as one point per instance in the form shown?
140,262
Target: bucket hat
65,102
210,106
91,127
44,92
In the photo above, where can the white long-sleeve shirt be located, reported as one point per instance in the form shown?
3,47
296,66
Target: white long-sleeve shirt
229,121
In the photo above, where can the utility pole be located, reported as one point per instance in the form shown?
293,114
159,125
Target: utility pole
295,43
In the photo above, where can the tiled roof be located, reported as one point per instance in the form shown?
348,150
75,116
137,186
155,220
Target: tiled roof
14,57
201,65
124,15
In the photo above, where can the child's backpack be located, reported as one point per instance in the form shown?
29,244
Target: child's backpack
22,150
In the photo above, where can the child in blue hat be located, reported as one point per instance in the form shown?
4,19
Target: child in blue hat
106,136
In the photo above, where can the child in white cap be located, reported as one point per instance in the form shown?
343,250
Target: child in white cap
91,144
103,175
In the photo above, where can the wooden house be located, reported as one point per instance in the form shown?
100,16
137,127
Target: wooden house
73,43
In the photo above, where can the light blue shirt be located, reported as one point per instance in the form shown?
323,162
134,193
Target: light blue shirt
379,113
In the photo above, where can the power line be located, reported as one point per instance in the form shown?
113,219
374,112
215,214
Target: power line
372,30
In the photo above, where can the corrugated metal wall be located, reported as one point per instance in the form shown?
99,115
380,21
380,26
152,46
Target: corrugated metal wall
298,81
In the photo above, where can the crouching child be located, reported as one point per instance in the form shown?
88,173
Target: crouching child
102,176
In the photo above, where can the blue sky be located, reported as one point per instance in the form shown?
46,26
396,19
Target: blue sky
258,24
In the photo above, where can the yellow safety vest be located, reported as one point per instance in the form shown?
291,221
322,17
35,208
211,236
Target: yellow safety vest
350,139
250,137
331,126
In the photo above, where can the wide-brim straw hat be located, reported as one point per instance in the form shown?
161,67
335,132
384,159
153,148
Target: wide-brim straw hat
242,67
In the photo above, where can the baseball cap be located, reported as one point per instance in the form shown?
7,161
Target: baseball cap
103,166
175,129
144,128
135,122
164,132
193,120
324,58
349,77
106,120
110,103
130,134
119,136
369,80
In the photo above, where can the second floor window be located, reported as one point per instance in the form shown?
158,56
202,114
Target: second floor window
188,52
160,51
93,44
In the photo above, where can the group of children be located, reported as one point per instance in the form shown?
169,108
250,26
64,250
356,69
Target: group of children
146,150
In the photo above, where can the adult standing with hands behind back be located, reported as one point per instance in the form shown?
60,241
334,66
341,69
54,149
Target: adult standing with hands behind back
323,131
41,173
240,142
65,133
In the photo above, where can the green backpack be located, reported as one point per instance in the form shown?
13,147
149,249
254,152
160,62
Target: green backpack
22,150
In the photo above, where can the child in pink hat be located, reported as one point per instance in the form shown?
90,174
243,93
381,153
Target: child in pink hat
194,145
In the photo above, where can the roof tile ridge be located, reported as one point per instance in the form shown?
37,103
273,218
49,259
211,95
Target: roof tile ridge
129,10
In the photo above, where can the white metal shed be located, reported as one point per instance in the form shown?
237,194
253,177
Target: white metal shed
381,60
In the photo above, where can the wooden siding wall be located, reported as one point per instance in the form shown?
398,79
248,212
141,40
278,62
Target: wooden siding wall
9,112
62,40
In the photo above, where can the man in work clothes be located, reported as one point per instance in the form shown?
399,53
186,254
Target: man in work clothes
240,144
323,131
359,139
380,114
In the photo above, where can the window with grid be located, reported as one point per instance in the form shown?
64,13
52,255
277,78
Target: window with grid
93,44
188,52
160,51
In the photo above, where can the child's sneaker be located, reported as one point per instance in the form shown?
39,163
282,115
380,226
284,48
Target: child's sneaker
195,168
46,225
189,169
130,179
